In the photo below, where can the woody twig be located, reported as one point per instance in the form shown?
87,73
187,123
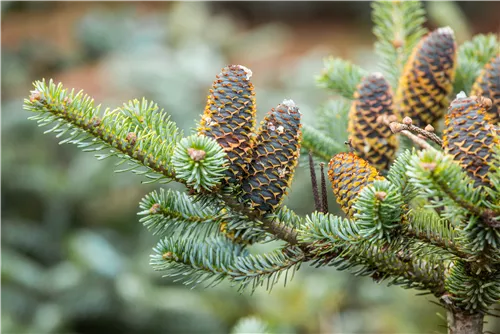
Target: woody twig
407,129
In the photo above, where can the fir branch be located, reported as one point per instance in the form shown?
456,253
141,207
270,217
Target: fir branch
340,76
482,242
427,226
280,224
76,116
335,241
470,292
200,161
235,222
170,212
397,175
398,28
322,146
216,259
268,222
379,209
149,118
326,234
472,56
287,216
332,118
435,174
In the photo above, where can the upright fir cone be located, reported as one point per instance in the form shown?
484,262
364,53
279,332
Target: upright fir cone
488,85
372,141
470,137
229,118
427,78
275,156
349,174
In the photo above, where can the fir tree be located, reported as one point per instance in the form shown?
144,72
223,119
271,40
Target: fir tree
428,220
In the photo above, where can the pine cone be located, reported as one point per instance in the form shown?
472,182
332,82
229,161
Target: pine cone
372,141
275,156
349,174
488,85
427,78
469,137
229,117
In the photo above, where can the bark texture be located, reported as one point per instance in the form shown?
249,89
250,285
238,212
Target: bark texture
464,323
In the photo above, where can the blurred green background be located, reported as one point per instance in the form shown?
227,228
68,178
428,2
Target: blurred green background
74,256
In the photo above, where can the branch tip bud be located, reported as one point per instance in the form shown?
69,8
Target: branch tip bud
131,138
167,255
196,155
485,102
395,127
155,208
430,166
35,96
380,195
429,128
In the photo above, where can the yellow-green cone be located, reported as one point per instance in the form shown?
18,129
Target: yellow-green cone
427,78
229,118
349,174
488,85
469,137
275,156
372,141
